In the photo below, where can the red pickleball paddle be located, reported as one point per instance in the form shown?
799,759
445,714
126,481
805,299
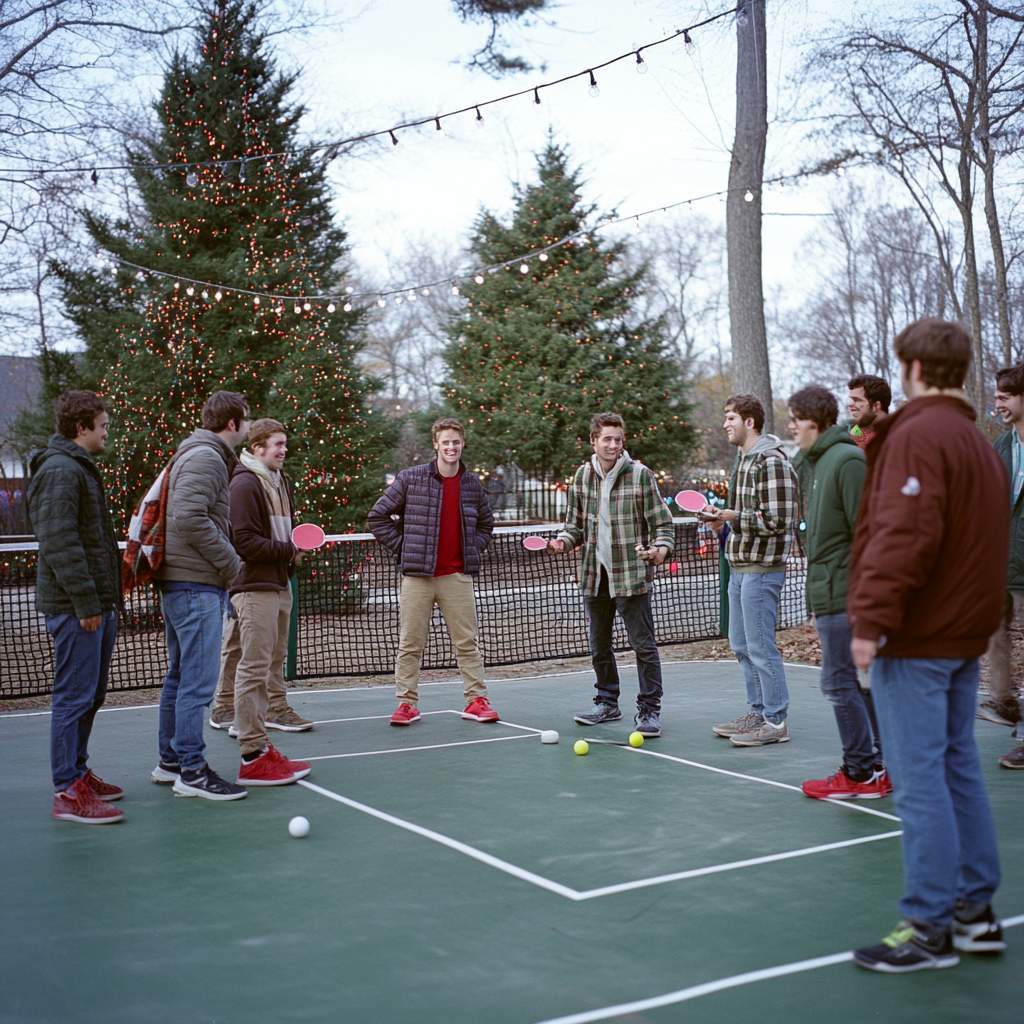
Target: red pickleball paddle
307,536
535,543
691,501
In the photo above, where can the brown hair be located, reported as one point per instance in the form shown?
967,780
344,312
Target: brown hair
1011,380
446,423
77,407
875,389
263,430
943,348
749,407
815,403
605,419
222,407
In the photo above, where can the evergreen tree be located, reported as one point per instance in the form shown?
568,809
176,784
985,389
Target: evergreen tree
158,347
534,355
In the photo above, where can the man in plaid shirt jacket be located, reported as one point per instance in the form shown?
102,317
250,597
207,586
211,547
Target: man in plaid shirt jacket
617,514
763,495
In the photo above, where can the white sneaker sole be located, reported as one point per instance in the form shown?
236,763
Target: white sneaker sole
477,718
182,788
220,725
289,728
88,821
163,778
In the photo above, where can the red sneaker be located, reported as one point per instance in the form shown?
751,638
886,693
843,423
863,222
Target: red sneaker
405,715
480,711
882,780
841,787
80,803
104,790
271,768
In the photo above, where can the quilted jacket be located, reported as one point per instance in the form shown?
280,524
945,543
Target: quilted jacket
415,497
79,563
1004,449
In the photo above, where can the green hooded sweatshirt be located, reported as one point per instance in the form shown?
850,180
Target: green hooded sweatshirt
831,479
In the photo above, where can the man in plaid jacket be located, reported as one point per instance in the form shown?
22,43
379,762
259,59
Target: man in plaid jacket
763,514
617,514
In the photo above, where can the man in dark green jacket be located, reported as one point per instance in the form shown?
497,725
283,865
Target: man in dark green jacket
78,590
1003,706
831,469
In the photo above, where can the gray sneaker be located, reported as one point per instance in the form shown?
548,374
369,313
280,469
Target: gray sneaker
289,721
601,713
761,735
749,721
1002,712
221,719
648,723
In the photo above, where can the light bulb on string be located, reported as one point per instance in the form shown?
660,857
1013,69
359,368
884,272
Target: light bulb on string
349,289
398,300
524,268
330,307
594,90
206,295
177,285
479,278
691,46
455,289
256,301
543,257
218,296
140,276
641,65
191,179
841,171
411,297
536,97
190,290
438,130
306,306
394,137
298,308
748,196
425,292
347,307
382,302
479,118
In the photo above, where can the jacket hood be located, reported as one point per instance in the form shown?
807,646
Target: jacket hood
829,439
57,445
765,443
211,440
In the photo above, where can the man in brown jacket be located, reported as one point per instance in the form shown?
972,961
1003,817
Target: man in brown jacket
926,593
252,658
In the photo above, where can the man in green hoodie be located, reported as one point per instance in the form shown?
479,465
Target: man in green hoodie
831,471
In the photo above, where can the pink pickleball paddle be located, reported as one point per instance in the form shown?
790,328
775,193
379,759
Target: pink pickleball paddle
691,501
535,543
307,536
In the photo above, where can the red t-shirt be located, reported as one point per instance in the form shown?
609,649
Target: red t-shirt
449,536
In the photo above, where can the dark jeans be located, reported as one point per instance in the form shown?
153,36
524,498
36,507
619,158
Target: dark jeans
194,622
853,707
81,665
926,712
636,614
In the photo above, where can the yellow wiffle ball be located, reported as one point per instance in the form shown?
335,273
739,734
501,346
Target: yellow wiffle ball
581,747
635,739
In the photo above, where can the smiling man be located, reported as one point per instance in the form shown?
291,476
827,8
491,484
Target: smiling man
616,513
868,405
1003,704
761,519
437,518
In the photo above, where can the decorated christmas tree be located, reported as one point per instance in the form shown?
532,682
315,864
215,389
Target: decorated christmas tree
535,352
244,208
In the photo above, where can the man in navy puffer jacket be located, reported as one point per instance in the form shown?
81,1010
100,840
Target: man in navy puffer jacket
443,523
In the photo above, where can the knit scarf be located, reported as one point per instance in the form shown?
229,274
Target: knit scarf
280,522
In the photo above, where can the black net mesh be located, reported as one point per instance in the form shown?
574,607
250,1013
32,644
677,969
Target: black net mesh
528,603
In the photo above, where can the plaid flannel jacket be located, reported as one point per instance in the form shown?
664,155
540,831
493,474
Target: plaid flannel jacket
764,490
638,515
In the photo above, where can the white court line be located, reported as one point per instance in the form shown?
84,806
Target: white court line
405,750
568,892
371,718
768,782
454,844
735,981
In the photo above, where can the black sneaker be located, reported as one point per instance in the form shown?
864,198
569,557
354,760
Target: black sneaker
648,723
909,948
165,774
601,713
208,784
977,932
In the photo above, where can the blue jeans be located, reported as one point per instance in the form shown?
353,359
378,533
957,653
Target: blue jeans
853,707
925,709
194,622
636,614
81,665
753,615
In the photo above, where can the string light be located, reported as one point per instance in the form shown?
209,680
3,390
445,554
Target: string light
748,196
524,268
347,307
455,289
479,278
543,257
192,179
691,47
594,90
330,307
479,118
438,128
641,67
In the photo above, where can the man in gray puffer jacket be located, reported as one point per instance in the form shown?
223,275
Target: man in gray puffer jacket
199,564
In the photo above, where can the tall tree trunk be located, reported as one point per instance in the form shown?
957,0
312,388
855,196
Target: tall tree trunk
750,371
989,172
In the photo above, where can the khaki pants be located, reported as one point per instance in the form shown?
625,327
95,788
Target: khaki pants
1000,661
454,596
252,664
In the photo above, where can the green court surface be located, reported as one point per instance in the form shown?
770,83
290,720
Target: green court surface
460,873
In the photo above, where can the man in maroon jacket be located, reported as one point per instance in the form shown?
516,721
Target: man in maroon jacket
926,593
